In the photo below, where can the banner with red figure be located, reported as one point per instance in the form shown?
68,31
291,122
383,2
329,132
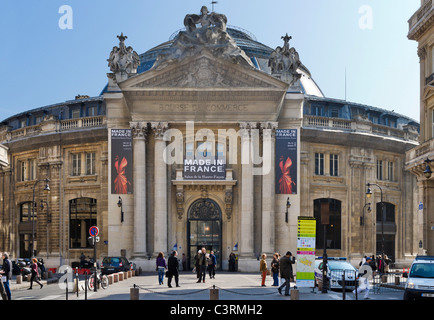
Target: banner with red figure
122,161
286,161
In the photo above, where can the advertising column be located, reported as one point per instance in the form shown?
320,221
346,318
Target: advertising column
306,237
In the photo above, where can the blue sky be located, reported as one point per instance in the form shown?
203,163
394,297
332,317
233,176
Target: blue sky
42,64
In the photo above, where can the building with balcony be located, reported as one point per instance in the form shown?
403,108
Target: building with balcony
203,141
418,159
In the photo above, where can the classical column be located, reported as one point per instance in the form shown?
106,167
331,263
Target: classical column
268,187
160,189
139,132
247,209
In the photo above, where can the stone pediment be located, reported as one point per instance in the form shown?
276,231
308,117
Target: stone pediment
203,72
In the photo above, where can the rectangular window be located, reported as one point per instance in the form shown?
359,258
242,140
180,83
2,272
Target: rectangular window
220,150
334,165
22,167
432,119
76,164
90,163
204,149
319,164
189,150
390,176
379,169
32,169
92,111
334,113
75,114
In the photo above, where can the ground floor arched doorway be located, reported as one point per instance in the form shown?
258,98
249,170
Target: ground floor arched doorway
204,230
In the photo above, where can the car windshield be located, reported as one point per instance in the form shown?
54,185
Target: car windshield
339,265
422,270
112,260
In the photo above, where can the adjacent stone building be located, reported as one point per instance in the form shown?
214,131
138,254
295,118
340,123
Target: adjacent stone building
419,160
211,139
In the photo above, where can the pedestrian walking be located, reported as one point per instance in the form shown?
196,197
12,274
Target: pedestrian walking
212,264
172,269
364,273
203,263
196,264
35,274
275,269
161,267
263,268
232,262
286,273
6,273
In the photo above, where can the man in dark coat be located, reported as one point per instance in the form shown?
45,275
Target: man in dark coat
286,263
172,269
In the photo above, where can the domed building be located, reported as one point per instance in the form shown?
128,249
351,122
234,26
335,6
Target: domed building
211,139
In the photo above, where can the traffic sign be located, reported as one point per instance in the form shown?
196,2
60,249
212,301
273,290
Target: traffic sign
93,231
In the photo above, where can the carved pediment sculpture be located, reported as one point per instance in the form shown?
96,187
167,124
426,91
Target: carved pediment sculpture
206,31
123,61
284,62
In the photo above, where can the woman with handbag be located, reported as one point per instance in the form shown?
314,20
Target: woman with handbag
35,273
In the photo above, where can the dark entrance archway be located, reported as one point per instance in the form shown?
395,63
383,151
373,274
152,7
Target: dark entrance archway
204,230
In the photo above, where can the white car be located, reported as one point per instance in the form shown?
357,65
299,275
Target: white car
420,281
336,268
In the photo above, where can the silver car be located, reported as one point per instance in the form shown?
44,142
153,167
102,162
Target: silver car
336,269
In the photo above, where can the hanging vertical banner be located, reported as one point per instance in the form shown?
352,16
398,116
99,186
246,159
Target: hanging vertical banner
122,161
306,237
286,161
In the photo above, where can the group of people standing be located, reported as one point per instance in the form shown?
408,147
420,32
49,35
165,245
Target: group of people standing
204,262
279,266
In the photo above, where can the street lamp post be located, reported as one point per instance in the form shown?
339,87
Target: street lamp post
369,195
46,188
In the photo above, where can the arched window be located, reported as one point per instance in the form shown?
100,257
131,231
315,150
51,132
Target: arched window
82,216
328,212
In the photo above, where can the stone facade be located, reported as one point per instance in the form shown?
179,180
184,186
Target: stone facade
201,90
419,159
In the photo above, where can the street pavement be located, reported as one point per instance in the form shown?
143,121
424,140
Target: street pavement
230,286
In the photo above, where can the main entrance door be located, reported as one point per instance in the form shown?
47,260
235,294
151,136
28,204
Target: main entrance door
204,229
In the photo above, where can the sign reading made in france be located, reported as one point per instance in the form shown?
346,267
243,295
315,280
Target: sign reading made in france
122,161
204,168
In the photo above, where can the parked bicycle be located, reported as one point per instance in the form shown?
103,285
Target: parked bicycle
102,280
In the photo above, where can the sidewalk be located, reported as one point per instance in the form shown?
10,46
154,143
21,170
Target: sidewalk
229,286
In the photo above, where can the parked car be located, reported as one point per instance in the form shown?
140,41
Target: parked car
336,268
115,264
420,281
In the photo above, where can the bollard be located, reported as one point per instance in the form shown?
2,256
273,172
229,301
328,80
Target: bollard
384,278
294,294
397,280
110,279
115,277
134,293
121,276
213,293
19,279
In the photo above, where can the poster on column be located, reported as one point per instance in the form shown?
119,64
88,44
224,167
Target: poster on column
306,237
122,161
286,161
